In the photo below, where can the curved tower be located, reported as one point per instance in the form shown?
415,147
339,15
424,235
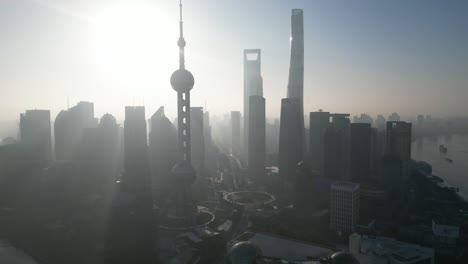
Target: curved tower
296,69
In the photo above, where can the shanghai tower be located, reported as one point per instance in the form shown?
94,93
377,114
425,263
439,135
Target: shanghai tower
296,64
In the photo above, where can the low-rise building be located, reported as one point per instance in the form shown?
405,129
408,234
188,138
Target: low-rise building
384,250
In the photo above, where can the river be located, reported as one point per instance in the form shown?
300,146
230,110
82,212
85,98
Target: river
455,174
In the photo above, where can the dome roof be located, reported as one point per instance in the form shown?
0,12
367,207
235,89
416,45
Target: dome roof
182,80
107,120
342,257
243,253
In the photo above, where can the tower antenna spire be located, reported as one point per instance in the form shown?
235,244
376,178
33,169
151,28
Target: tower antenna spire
181,43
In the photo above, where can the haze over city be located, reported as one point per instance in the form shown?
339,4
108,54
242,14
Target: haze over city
361,56
233,132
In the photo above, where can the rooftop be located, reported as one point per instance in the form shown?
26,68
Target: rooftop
284,248
378,249
347,186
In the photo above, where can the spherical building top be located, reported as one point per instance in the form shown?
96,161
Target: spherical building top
343,258
183,172
182,80
107,120
243,253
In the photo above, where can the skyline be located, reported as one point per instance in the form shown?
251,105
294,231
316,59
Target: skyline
54,45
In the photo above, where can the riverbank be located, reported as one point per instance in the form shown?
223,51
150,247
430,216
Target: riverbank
454,174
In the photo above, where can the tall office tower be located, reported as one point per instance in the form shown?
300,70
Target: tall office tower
35,134
137,184
256,150
361,138
163,150
394,117
290,143
182,206
272,140
296,64
337,148
97,158
319,122
68,128
197,139
397,158
253,86
136,149
333,153
344,207
210,155
398,143
235,133
305,200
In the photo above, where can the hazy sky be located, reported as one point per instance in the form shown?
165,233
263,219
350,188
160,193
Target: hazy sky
360,56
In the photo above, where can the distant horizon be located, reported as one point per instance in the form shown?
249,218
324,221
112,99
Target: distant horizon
6,126
361,57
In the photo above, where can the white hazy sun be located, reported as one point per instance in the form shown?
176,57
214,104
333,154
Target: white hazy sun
133,39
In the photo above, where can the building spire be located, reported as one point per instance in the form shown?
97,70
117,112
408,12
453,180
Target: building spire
181,42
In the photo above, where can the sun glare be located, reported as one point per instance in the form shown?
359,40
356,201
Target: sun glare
132,38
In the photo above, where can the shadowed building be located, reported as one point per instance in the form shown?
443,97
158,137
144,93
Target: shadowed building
361,138
197,139
235,133
290,143
337,147
134,221
68,128
344,207
398,144
210,153
296,63
253,86
97,157
35,134
257,149
319,122
163,150
397,158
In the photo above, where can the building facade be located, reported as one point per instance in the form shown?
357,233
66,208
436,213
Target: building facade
290,146
236,133
344,207
360,152
35,134
253,86
256,146
319,122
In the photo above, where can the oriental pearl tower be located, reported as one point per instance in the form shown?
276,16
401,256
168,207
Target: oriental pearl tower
181,208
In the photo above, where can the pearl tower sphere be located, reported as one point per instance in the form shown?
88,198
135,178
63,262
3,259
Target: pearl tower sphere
182,80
